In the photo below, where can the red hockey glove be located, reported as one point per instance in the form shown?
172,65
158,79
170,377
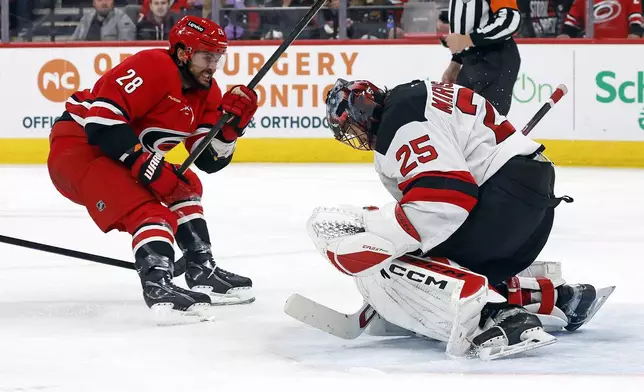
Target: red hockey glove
160,177
241,102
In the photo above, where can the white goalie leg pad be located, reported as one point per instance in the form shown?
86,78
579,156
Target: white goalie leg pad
544,269
358,240
535,290
427,298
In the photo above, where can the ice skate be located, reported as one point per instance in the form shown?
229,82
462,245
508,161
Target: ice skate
580,302
513,330
224,288
169,303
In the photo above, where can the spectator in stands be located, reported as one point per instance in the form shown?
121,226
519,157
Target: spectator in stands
105,23
234,23
542,18
331,21
442,25
375,23
278,24
623,19
177,6
157,23
20,15
206,7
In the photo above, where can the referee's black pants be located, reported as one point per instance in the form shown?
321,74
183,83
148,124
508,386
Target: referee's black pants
491,71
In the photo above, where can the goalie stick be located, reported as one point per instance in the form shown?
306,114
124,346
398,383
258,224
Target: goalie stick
555,97
345,326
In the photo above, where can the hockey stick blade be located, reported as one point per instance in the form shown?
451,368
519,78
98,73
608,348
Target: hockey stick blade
345,326
555,97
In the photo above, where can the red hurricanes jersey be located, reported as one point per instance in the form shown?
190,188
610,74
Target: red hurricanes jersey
145,91
612,17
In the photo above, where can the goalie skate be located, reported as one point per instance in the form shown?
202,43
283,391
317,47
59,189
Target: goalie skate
584,303
514,331
534,340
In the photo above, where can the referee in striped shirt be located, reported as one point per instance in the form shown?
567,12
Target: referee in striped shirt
485,58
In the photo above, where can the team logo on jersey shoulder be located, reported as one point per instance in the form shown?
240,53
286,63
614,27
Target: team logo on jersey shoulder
161,140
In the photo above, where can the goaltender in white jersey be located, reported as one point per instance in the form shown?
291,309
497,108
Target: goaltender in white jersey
453,257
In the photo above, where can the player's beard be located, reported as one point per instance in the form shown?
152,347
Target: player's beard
196,81
205,78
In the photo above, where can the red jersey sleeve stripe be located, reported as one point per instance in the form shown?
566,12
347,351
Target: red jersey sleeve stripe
111,105
635,18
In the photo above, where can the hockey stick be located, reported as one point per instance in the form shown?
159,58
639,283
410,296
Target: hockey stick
345,326
556,96
253,83
66,252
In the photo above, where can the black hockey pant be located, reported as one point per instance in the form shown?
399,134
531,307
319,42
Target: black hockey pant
510,224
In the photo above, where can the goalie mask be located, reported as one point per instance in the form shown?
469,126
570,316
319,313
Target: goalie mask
353,112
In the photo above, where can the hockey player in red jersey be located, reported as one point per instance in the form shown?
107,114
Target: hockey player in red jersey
107,154
612,19
474,204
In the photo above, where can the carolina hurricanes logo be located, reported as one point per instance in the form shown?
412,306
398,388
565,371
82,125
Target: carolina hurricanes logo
607,10
161,140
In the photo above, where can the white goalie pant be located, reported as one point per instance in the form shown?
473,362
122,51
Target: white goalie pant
424,302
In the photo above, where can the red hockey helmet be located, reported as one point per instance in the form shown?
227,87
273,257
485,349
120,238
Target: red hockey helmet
352,110
195,34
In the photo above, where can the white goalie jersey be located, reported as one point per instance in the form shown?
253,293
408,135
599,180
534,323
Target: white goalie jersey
436,144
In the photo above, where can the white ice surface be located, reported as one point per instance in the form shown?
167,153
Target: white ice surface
71,325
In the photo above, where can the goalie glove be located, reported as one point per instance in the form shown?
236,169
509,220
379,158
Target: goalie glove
358,240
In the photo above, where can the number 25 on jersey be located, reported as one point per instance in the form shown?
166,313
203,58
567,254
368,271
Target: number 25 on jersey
418,150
